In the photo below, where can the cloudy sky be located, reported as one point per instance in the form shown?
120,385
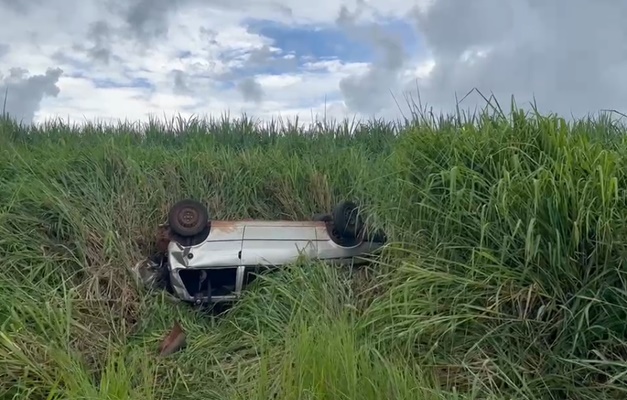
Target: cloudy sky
128,59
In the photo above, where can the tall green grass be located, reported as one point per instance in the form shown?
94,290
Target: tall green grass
504,277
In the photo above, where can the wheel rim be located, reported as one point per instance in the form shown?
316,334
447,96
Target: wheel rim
188,217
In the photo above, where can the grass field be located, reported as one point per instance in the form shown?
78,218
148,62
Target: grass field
504,278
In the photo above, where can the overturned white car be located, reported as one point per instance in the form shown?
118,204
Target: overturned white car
205,261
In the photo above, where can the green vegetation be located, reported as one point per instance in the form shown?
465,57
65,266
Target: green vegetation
504,278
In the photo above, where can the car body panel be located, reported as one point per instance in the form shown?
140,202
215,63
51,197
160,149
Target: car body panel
330,251
272,243
222,248
277,252
281,230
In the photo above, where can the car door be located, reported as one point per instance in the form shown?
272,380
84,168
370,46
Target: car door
275,243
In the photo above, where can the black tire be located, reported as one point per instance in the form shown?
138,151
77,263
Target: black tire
322,217
347,220
188,218
377,236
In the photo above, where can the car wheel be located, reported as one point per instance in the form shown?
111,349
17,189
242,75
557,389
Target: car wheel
188,218
347,220
322,217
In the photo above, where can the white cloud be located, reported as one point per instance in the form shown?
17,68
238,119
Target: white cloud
193,56
101,63
80,100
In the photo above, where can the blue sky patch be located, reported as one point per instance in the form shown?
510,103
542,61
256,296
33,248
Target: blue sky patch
312,41
135,83
331,41
226,84
184,54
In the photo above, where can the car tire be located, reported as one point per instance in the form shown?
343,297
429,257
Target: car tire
347,219
188,218
322,217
